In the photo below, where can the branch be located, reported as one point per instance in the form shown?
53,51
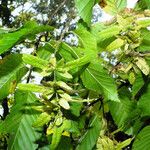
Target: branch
91,104
55,12
31,68
58,8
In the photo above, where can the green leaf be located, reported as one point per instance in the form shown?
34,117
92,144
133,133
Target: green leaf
44,52
97,79
32,88
34,61
8,40
115,6
143,23
57,133
88,42
89,138
144,103
144,4
65,144
19,123
142,140
123,108
108,33
65,74
84,53
90,77
56,137
131,77
124,144
67,52
75,108
85,9
97,27
42,119
145,43
11,71
138,84
103,44
78,62
115,45
125,114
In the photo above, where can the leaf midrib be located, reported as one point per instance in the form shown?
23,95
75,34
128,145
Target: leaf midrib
97,80
22,117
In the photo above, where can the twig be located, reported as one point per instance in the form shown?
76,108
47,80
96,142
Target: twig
89,105
58,8
5,107
29,75
31,68
55,12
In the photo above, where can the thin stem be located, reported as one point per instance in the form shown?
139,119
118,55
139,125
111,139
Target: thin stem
31,68
29,75
59,42
88,106
55,12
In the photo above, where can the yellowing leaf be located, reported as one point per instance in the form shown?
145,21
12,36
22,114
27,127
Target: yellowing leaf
124,22
42,120
64,86
131,77
105,143
53,61
128,68
63,103
12,86
114,6
65,133
142,64
59,121
66,96
115,45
